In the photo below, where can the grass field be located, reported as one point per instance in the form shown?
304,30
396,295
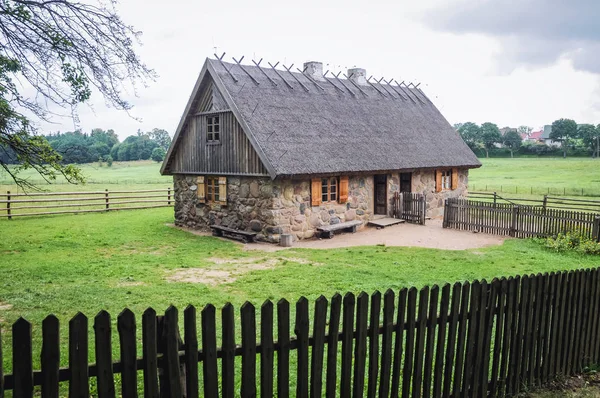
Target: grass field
538,176
86,263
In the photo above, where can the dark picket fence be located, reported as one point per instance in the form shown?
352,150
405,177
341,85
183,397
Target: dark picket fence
466,340
410,207
517,220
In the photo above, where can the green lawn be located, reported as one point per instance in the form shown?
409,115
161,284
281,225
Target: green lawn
539,176
66,264
143,174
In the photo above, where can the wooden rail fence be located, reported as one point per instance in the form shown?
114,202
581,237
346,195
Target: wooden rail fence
547,202
465,340
410,207
517,220
46,203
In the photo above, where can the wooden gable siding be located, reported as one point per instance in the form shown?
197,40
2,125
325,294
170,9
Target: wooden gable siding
233,155
210,99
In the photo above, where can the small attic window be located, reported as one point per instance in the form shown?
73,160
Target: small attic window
213,130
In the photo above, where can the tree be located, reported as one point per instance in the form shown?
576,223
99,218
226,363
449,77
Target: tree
470,133
490,136
62,51
590,136
512,140
563,130
158,154
524,130
161,137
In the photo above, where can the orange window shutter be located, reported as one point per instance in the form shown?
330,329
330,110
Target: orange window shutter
438,181
201,189
454,178
315,192
343,189
223,190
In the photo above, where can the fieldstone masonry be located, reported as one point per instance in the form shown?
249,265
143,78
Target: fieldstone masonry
271,208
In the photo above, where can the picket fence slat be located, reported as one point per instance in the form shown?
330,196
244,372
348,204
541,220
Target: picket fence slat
467,340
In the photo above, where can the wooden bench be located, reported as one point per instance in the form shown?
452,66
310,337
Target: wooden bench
326,231
244,236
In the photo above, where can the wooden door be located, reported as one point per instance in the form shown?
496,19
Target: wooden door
405,182
381,194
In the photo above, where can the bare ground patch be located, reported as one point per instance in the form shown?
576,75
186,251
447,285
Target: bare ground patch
5,306
227,270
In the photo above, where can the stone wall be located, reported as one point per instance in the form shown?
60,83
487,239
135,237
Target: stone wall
271,208
295,215
424,182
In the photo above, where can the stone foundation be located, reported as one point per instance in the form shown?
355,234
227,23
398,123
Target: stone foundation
271,208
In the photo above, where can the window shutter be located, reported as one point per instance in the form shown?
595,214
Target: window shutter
315,192
438,181
343,189
454,179
223,190
201,190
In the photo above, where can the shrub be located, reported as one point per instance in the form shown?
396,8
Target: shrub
573,241
158,154
108,159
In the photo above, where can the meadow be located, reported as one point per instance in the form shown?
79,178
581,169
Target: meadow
538,176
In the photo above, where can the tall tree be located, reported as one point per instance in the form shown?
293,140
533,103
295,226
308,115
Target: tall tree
490,136
512,140
590,136
161,137
564,130
524,130
469,132
63,51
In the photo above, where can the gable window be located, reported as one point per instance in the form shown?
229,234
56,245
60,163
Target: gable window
329,192
213,128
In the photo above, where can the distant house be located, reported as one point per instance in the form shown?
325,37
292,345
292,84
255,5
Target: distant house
545,137
283,152
535,136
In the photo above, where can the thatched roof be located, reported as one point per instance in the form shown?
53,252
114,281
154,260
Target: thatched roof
331,130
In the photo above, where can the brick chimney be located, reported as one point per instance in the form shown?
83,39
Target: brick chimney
358,76
314,69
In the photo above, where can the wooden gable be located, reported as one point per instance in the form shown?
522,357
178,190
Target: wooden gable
232,154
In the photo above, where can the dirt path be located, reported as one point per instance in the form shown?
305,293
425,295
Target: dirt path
432,235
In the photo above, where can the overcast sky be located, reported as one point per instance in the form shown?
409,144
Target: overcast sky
509,62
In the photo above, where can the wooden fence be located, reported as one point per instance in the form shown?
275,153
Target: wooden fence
466,340
410,207
517,220
47,203
547,202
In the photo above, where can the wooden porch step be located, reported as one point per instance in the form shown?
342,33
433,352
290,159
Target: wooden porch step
385,222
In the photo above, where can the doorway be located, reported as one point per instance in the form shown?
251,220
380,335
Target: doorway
380,194
405,182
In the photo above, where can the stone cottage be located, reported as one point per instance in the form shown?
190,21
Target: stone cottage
275,151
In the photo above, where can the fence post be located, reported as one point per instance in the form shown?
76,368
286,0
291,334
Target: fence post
545,203
445,222
169,196
106,198
8,205
495,198
424,206
596,229
513,226
401,205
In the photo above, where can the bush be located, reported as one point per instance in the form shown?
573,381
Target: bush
573,241
108,159
158,154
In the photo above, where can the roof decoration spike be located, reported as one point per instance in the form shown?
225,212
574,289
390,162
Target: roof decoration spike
419,98
396,91
263,72
244,70
294,76
402,89
310,78
224,67
342,83
372,85
279,74
330,82
355,85
383,87
424,95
